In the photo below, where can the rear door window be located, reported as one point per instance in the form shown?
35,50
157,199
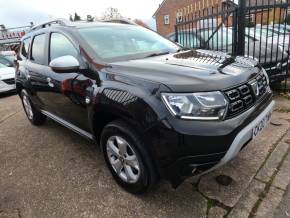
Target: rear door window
38,49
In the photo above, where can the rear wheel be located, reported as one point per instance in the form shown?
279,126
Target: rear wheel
33,115
127,158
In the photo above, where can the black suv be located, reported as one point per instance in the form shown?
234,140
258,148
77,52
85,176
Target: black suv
158,111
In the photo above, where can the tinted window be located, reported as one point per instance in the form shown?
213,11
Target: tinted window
61,46
38,49
25,47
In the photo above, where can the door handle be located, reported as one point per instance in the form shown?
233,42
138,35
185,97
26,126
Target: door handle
49,82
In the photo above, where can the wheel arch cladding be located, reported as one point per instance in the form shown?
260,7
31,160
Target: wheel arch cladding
112,104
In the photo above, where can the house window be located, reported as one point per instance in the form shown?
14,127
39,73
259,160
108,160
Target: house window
166,19
250,20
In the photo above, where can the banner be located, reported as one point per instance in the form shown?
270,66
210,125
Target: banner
11,36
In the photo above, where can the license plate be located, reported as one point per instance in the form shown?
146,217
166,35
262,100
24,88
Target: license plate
261,125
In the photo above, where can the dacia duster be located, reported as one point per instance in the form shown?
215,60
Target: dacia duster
157,111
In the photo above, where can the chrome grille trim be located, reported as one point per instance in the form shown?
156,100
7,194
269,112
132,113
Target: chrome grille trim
243,97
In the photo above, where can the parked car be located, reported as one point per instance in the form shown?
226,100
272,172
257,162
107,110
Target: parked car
7,78
270,36
283,27
6,61
156,110
222,40
7,58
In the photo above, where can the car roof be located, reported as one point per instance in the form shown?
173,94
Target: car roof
75,25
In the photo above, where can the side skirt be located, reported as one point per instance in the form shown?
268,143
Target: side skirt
69,125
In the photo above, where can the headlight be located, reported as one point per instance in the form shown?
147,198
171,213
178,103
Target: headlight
196,106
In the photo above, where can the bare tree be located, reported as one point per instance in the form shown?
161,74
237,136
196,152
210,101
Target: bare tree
77,17
90,18
111,14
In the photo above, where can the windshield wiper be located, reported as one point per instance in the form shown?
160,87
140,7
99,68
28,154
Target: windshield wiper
158,54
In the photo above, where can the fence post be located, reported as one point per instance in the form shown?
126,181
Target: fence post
176,31
234,33
241,27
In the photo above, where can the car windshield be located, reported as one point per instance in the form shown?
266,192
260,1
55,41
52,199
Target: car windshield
222,37
260,32
11,58
125,42
2,65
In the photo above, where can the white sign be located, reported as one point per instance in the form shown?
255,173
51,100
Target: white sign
9,37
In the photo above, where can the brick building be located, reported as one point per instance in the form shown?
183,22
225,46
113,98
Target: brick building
170,11
266,16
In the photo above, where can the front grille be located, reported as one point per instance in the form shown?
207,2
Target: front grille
9,81
242,97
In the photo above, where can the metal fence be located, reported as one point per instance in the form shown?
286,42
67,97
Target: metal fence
254,28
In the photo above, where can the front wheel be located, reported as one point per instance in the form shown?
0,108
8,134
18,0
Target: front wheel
127,158
33,115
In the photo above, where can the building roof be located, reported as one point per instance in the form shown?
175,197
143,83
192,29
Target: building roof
160,6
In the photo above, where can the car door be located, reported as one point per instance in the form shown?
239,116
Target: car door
67,90
36,68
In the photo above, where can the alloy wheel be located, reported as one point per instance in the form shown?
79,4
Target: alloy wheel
27,107
123,159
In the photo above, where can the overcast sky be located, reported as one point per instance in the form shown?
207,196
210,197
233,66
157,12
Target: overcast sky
15,13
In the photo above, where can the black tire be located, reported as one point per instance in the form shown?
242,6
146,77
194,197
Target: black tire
147,175
34,116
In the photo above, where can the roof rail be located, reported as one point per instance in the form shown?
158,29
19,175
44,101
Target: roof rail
120,20
61,21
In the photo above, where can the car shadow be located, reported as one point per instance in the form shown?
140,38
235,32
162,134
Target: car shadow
7,94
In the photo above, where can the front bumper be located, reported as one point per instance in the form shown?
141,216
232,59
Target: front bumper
243,138
187,148
4,87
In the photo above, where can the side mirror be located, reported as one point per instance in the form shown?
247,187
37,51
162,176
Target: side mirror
65,64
